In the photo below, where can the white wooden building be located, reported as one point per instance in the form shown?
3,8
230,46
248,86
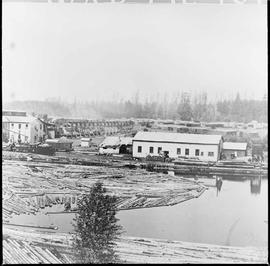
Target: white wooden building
20,127
238,149
204,147
85,142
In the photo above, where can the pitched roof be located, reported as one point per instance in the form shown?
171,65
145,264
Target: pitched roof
110,141
177,137
116,141
60,140
85,139
126,140
235,146
18,119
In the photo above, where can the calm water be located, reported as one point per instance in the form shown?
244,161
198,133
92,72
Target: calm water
237,216
234,217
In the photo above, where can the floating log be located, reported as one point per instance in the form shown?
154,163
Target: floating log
61,212
33,226
65,183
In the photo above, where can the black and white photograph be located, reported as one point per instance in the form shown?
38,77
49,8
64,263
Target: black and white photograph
134,131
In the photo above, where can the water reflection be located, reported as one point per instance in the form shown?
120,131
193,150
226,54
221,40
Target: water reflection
255,185
217,182
235,217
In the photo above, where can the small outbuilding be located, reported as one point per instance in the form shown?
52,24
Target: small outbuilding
125,145
60,144
234,149
86,142
116,145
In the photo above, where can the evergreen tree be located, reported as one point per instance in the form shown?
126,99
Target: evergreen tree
96,227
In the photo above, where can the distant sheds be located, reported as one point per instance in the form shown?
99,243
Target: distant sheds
116,145
180,129
215,125
87,128
188,123
61,144
86,142
19,127
174,145
44,149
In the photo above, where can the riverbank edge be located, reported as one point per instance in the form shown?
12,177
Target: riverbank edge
32,246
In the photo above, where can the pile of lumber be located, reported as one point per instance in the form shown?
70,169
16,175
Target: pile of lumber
13,204
228,169
31,246
77,158
145,250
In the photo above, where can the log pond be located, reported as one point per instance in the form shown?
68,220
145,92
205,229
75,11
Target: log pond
237,215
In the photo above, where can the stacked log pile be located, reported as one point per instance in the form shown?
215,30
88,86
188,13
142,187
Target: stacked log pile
30,246
183,167
145,250
30,186
226,169
76,158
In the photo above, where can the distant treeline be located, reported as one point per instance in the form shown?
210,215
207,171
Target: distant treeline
185,107
54,108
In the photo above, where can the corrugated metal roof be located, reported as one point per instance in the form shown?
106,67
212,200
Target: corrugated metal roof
177,137
235,146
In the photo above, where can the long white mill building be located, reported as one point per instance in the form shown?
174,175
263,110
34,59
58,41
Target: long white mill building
204,147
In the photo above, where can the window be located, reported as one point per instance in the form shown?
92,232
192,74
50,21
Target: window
26,125
178,150
12,125
210,154
139,148
40,126
19,126
197,152
151,149
201,153
159,150
186,151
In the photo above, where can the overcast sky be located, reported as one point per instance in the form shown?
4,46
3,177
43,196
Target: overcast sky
104,51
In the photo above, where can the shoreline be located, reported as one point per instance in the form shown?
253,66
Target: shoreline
36,247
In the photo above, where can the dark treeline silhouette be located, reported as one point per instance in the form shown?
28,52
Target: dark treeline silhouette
184,107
